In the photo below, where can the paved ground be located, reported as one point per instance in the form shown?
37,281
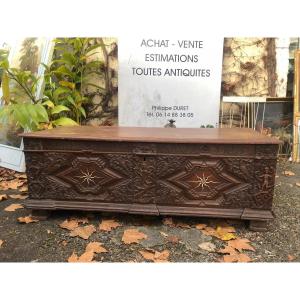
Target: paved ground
46,241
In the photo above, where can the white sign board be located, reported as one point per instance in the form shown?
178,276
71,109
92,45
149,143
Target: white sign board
163,79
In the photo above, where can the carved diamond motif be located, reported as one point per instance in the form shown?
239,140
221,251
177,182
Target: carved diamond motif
88,175
204,179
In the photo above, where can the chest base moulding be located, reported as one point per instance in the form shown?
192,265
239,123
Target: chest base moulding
223,173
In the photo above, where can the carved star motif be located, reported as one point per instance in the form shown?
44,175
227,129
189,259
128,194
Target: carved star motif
88,177
202,181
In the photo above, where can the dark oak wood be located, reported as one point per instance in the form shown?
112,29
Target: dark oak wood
227,173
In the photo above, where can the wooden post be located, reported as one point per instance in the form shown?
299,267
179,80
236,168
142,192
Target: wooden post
296,157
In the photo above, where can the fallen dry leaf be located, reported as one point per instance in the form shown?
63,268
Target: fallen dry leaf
132,236
163,233
182,225
201,226
233,256
288,173
11,185
13,207
3,197
208,246
240,244
18,197
173,239
228,250
88,255
108,225
69,224
27,219
82,220
85,257
210,231
298,184
238,257
23,189
226,233
1,243
83,232
95,247
291,257
21,175
155,256
168,222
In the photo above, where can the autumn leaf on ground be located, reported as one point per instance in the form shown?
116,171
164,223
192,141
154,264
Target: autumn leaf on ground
208,246
18,197
3,197
1,243
155,256
163,233
288,173
95,247
21,176
238,257
201,226
13,207
182,225
233,255
82,220
132,236
84,232
27,219
228,250
85,257
108,225
168,222
226,233
64,243
69,224
13,185
240,244
291,257
88,255
23,189
173,239
210,231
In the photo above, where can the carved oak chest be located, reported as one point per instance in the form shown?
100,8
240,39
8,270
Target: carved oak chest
227,173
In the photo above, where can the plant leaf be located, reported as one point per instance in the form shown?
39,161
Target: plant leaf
48,103
5,87
68,84
59,108
64,121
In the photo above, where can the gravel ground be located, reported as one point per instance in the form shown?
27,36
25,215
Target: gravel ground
45,241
